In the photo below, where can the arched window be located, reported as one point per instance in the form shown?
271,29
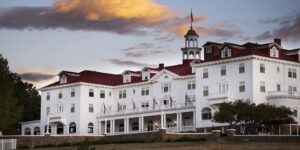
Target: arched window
36,131
72,127
49,129
27,131
135,126
197,55
206,113
90,128
191,55
226,52
60,129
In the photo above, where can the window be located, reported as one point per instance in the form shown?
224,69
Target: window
262,68
27,131
109,94
278,87
208,49
242,86
205,91
72,92
242,68
60,95
91,108
63,79
72,108
102,94
122,94
292,73
72,127
223,70
191,85
274,52
49,129
166,87
262,87
121,127
206,113
205,73
164,102
122,107
47,111
146,75
295,113
226,52
145,91
278,69
91,92
48,96
90,128
36,131
292,89
145,105
223,87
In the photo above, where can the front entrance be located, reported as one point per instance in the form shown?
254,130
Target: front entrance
60,129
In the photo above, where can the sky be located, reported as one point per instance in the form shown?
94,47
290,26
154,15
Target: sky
40,38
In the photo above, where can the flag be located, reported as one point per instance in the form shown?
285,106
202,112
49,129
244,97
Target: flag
171,101
119,107
133,104
192,18
186,99
154,103
104,108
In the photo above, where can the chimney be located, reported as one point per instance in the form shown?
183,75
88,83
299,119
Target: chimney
278,41
161,66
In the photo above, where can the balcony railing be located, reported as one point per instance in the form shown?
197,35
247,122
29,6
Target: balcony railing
187,105
57,117
283,94
187,128
217,98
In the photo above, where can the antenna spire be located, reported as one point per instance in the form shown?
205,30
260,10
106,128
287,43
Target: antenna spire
192,19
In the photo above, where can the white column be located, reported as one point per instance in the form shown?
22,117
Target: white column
140,124
112,126
127,125
162,120
143,128
99,127
165,121
177,122
180,121
194,120
105,126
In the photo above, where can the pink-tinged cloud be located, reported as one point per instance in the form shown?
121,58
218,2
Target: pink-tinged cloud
128,63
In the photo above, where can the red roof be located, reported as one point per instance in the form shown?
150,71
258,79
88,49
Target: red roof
117,79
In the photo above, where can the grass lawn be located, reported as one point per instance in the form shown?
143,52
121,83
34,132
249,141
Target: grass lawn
195,146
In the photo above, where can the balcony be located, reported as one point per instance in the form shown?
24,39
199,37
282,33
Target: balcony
283,95
158,109
57,117
217,98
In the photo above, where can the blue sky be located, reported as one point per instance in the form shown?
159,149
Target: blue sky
39,45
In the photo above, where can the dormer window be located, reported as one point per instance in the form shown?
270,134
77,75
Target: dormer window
126,78
274,52
63,79
208,49
146,76
226,52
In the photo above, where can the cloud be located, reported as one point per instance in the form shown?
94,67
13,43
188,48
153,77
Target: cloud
143,50
36,77
128,63
287,28
138,17
102,15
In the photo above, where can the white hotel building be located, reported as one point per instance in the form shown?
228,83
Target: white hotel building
180,98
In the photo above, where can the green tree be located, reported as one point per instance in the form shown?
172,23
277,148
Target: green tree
10,111
19,101
226,114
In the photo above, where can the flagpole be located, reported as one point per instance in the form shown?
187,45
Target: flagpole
192,19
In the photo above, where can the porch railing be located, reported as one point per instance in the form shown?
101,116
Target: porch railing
283,94
8,144
187,128
187,105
